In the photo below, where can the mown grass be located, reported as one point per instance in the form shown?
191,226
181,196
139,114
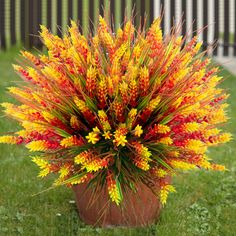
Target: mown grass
205,202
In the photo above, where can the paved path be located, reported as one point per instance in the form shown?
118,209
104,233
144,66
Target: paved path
228,62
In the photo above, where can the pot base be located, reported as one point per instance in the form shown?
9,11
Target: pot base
137,209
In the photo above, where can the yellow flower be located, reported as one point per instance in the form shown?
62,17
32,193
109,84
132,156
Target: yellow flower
113,190
190,127
39,145
67,142
96,130
80,180
47,116
182,165
104,120
44,165
80,104
160,173
154,103
131,118
141,162
161,129
218,167
164,193
166,140
221,138
120,140
74,122
64,171
92,137
138,130
8,139
83,158
71,141
20,93
107,135
195,145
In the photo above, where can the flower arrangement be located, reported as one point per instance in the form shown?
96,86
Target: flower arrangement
118,108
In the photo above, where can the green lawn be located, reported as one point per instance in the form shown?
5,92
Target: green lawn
205,202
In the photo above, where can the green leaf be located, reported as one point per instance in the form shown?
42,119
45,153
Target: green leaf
164,163
132,186
144,102
166,120
118,164
79,176
82,80
119,189
157,78
62,132
90,104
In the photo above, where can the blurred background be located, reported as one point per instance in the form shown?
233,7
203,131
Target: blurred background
20,20
205,202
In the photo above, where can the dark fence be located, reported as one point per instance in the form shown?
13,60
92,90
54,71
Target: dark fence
20,19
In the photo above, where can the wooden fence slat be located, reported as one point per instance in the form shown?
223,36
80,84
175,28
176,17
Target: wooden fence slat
7,23
85,19
106,6
101,7
129,8
116,9
18,22
75,12
162,7
44,13
134,12
70,10
49,14
235,29
216,26
80,6
137,13
54,17
22,22
91,16
96,13
26,23
12,22
31,22
147,12
112,9
226,28
38,9
35,19
151,10
142,13
205,23
184,17
123,8
64,18
2,24
172,12
59,18
194,17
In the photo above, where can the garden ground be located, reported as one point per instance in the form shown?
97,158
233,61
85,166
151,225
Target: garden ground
205,202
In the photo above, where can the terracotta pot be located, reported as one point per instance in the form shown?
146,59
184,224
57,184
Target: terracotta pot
138,209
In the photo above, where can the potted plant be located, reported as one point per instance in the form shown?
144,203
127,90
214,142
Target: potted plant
115,115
